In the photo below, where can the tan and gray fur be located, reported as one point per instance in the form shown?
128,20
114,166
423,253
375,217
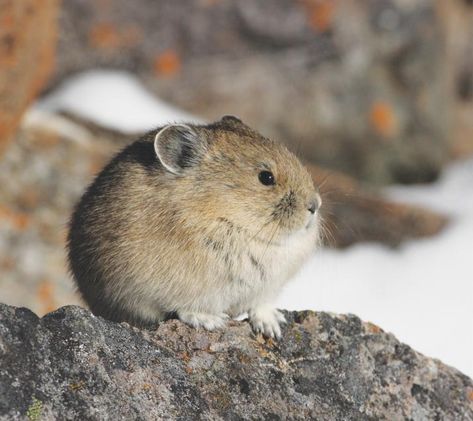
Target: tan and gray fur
179,222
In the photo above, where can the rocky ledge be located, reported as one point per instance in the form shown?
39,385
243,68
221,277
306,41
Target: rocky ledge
73,365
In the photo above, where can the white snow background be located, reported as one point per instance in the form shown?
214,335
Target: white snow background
422,292
113,99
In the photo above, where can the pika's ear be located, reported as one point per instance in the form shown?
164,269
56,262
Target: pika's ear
178,146
231,119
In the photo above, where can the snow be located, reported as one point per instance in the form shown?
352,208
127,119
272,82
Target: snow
423,293
113,99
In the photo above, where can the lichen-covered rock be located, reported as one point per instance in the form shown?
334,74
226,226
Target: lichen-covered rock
354,85
27,45
73,365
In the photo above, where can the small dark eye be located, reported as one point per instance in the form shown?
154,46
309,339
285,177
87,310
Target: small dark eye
266,178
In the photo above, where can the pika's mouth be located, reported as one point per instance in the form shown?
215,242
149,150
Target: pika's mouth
299,228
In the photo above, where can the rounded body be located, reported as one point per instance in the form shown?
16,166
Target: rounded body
195,229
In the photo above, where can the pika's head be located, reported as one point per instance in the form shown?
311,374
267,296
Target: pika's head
227,171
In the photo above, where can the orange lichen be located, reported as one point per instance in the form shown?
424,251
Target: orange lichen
46,296
7,21
104,35
372,328
243,358
320,13
189,370
383,119
7,263
167,64
185,356
270,342
263,352
19,220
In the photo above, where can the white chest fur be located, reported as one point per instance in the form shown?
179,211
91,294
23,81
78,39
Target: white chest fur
262,270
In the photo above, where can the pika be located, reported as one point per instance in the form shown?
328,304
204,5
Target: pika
204,222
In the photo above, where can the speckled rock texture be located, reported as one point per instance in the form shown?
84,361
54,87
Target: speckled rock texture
354,85
73,365
28,31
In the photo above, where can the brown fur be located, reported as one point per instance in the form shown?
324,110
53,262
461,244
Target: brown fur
204,242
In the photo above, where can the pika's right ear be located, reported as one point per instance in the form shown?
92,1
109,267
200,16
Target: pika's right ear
178,146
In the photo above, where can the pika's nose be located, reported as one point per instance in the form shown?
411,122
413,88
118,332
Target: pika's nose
314,205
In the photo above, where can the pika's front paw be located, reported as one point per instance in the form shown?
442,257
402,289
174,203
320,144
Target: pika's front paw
267,320
205,320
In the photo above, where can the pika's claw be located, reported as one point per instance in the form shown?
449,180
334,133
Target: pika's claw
205,320
266,320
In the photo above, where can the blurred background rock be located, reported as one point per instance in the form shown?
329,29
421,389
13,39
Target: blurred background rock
28,33
360,86
368,92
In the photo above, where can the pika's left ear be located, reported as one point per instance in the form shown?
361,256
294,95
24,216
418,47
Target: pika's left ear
231,119
178,146
232,122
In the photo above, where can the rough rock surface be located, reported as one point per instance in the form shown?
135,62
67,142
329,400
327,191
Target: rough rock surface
73,365
28,33
355,85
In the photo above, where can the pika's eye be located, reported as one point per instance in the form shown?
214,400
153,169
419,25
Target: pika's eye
266,178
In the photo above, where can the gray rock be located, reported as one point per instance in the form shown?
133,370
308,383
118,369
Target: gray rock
73,365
